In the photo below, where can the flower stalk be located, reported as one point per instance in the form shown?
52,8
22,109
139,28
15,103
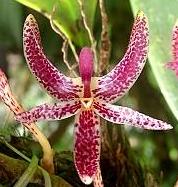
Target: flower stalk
8,98
105,46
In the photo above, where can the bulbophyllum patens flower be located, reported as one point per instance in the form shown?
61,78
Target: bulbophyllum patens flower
87,97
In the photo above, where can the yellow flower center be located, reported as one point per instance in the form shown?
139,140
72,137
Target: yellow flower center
87,102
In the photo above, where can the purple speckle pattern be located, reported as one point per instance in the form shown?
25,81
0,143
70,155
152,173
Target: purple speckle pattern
174,63
87,144
50,112
127,116
99,90
6,94
56,84
115,84
7,97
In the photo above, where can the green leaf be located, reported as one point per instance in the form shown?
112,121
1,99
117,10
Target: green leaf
11,23
28,174
162,16
56,180
67,16
47,178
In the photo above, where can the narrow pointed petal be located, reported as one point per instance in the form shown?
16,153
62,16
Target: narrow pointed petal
87,145
127,116
174,63
50,112
115,84
7,96
57,84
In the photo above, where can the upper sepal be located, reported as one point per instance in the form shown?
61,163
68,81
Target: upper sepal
86,64
86,69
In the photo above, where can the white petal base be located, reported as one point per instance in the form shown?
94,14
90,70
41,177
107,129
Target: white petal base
86,180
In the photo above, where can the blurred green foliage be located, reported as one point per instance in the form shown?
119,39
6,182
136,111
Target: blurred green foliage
157,151
11,23
66,16
161,22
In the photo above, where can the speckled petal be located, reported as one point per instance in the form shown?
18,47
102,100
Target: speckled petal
115,84
127,116
50,112
6,95
174,63
57,84
87,145
8,98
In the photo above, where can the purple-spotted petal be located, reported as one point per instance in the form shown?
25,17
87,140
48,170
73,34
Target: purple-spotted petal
7,96
127,116
57,84
116,83
174,63
87,145
50,112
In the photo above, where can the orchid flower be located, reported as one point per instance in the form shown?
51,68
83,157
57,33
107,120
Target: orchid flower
88,97
174,63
